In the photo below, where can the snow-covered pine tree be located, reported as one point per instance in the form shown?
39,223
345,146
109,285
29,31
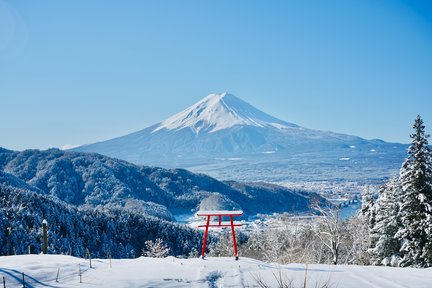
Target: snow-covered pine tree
367,202
385,250
416,201
368,212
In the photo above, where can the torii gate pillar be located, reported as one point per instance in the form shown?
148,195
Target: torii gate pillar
220,224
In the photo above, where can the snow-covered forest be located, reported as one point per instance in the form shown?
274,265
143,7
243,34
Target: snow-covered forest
400,220
109,231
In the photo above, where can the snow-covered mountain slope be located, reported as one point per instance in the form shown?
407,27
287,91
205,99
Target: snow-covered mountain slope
221,132
41,271
220,124
218,112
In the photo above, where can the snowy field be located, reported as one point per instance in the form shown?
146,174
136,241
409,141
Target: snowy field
41,271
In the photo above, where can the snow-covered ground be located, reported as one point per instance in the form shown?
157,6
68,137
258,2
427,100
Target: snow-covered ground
41,271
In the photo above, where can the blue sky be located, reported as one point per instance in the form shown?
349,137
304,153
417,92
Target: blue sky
76,72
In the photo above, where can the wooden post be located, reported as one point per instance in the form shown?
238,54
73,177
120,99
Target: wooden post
79,272
4,282
58,272
234,238
23,280
89,256
205,236
9,244
305,277
29,249
45,237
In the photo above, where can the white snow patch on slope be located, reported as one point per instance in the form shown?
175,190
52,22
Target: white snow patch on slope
41,271
220,111
69,146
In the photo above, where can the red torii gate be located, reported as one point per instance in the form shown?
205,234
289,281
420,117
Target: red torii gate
219,214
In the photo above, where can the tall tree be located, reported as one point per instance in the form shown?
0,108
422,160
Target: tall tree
385,249
330,230
416,201
368,213
367,204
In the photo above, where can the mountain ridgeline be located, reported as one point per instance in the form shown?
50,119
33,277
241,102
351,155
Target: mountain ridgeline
112,207
227,138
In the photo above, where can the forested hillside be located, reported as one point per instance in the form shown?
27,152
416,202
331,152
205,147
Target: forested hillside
111,207
105,230
93,179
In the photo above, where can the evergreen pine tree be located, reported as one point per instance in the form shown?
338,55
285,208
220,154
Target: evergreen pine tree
416,201
368,212
367,207
386,247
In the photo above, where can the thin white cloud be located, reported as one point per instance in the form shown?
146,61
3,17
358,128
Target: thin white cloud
68,146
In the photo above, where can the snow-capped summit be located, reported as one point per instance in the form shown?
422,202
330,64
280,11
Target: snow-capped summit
220,111
225,136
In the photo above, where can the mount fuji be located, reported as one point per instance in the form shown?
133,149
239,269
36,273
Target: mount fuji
226,137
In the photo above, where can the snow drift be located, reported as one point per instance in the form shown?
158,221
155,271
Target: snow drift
41,271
